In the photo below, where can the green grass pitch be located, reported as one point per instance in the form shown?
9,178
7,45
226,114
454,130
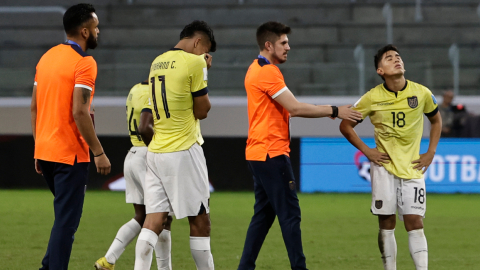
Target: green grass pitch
337,229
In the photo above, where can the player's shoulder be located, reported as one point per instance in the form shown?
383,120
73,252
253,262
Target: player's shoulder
269,71
194,60
140,88
377,89
371,92
87,61
167,54
418,87
364,99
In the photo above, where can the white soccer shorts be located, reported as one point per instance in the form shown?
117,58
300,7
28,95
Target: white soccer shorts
391,194
177,182
134,170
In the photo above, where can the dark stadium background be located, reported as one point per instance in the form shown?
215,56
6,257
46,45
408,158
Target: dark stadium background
333,43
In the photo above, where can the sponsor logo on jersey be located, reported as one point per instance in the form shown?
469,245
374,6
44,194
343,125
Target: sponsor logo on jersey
385,103
412,102
434,100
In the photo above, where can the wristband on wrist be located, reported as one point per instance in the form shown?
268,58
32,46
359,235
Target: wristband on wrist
99,154
334,111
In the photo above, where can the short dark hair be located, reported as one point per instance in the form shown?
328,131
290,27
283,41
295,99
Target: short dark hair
270,31
76,16
382,51
199,26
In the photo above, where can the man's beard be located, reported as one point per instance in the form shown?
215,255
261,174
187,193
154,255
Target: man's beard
279,60
91,42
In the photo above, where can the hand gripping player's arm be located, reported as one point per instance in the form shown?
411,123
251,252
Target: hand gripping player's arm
81,115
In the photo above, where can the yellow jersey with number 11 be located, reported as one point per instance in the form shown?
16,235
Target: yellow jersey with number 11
398,123
176,77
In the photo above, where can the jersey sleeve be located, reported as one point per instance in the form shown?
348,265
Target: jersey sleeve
199,76
271,81
431,106
86,73
147,104
363,105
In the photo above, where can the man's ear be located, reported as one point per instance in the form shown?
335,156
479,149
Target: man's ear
197,41
84,32
380,71
268,45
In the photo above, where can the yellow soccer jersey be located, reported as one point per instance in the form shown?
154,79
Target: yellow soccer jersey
176,77
136,100
398,121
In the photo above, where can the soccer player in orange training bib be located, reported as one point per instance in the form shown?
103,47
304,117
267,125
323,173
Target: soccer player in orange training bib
270,105
63,129
396,110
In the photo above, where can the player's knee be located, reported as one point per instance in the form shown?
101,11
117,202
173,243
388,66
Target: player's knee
413,222
140,213
200,226
387,222
168,223
200,230
140,218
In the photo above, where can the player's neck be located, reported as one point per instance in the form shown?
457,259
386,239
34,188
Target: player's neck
395,84
79,41
268,56
186,45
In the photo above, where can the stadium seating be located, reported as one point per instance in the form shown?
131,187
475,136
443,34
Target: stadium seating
325,33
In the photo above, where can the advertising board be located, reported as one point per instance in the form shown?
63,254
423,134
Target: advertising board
334,165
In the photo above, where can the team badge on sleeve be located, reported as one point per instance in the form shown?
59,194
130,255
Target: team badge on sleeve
412,102
434,99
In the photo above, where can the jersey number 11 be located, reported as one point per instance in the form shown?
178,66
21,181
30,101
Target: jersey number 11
164,96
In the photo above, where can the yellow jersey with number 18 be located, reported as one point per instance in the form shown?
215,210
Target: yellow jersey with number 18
398,123
137,97
176,77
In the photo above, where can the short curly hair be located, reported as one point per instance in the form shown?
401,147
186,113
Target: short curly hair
76,16
199,26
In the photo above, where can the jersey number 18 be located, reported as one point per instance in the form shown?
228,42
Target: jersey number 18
400,119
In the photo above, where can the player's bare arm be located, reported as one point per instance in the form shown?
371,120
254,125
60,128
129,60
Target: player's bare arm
81,115
201,106
146,127
300,109
33,112
375,156
426,159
